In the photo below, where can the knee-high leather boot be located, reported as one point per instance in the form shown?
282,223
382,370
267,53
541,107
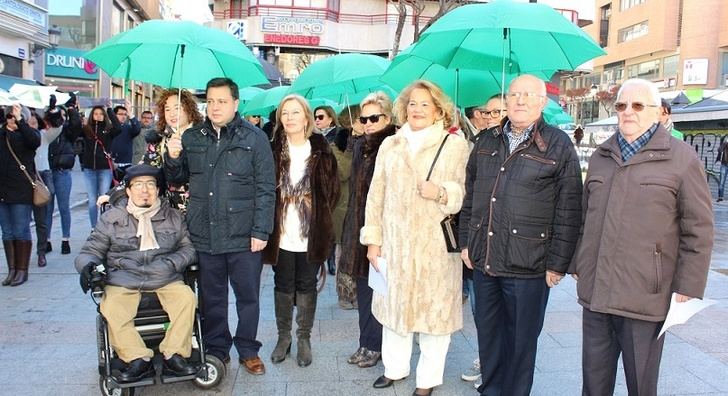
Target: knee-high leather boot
306,312
284,317
22,259
9,247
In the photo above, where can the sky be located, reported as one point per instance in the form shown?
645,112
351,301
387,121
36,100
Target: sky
64,7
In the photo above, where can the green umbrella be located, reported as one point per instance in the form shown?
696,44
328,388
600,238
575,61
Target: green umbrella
176,54
555,115
513,38
466,87
266,101
246,94
342,78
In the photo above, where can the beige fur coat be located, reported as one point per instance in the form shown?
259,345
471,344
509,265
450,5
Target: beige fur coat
424,280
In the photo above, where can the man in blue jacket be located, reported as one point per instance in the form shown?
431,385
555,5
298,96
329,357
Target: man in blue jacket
229,166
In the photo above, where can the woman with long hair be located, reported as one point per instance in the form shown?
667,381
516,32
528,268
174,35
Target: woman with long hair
42,167
96,161
418,180
177,113
303,231
326,122
376,121
17,139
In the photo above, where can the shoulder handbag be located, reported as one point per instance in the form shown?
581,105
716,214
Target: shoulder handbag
41,194
450,223
114,174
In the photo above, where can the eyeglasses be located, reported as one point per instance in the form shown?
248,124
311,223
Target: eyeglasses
254,116
139,186
524,95
636,106
374,118
320,117
492,113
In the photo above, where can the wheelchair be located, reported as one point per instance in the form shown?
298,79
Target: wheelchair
151,322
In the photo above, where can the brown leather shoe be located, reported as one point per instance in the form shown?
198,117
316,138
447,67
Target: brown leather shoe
254,365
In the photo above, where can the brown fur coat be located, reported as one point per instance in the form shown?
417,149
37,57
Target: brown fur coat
354,255
324,182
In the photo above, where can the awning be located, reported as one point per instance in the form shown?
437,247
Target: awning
8,81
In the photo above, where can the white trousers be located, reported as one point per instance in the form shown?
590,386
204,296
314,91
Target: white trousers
397,352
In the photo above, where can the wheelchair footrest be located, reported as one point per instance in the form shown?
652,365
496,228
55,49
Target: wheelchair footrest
145,382
168,379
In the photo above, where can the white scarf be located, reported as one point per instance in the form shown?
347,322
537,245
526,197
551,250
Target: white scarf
144,230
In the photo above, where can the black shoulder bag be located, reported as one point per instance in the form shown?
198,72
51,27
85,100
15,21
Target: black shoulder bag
450,223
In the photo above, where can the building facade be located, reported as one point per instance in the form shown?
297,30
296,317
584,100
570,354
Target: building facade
84,24
680,45
23,38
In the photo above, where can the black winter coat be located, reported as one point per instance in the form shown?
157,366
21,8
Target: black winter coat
15,188
353,259
60,151
321,168
93,156
232,185
522,212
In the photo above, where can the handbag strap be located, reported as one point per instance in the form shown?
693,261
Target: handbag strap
439,150
20,164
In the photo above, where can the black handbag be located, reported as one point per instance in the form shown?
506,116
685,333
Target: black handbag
450,223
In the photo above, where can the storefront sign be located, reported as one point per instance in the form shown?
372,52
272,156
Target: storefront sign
239,29
291,39
68,62
291,25
25,11
695,71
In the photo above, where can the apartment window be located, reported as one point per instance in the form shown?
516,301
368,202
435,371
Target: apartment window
632,32
605,12
293,3
649,70
724,67
625,4
669,66
117,19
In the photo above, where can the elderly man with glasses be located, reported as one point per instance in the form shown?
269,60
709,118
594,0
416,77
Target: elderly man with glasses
519,225
646,239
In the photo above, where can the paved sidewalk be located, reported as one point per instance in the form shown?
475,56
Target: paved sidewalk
48,340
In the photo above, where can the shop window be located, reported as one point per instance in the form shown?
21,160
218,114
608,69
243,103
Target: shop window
669,66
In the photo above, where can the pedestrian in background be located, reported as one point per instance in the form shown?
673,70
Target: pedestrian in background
303,230
17,140
375,121
62,159
255,120
412,190
230,217
42,167
518,226
96,160
722,158
326,122
342,148
647,234
140,142
122,147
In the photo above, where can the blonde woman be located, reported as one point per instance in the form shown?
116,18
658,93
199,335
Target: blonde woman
303,231
402,226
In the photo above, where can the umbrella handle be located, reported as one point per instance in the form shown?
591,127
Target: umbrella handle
179,86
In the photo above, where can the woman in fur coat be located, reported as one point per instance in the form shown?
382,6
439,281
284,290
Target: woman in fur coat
303,231
402,226
376,120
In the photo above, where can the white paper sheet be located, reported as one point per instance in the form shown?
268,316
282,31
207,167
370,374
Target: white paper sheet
679,313
378,280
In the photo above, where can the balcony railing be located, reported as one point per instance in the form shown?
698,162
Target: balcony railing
318,13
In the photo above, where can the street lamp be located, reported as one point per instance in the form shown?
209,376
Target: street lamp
54,36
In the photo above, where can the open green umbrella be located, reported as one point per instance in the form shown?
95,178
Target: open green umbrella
246,94
466,87
176,54
506,36
342,78
555,115
266,101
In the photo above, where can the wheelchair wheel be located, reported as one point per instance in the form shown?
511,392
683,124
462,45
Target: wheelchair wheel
105,391
215,373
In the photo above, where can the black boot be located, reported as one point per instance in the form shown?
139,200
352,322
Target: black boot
305,315
22,259
284,316
65,247
9,247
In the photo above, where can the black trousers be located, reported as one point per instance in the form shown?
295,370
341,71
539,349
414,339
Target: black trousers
509,315
370,330
605,336
293,273
242,270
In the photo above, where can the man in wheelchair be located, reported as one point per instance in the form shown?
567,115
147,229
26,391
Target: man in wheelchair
145,246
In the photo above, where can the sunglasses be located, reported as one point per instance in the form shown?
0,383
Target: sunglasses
374,118
636,106
320,117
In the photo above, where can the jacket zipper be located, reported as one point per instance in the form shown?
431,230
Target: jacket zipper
539,159
658,267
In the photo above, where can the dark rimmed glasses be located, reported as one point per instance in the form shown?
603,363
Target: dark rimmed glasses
492,113
374,118
320,117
